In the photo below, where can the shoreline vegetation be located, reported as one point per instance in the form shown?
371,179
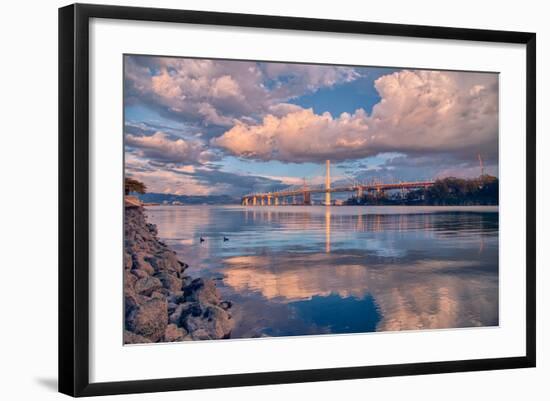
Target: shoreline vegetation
162,303
450,191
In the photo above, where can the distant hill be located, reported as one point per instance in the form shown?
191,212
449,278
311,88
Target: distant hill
187,199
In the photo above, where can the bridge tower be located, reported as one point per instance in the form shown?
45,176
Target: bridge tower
327,185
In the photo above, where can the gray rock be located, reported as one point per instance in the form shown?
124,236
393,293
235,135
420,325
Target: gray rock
131,301
176,297
140,273
200,334
161,303
149,319
202,291
170,281
174,333
182,310
160,294
214,320
140,262
171,307
127,261
167,261
130,297
132,338
147,285
129,280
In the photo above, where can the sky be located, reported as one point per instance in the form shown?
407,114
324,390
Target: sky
213,127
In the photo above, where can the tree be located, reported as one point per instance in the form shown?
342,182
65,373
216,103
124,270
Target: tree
458,191
131,185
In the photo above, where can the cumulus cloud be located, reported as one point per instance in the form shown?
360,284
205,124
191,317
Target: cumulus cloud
292,79
160,147
420,112
221,92
300,136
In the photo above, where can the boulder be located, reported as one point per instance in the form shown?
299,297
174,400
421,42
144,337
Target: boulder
140,273
139,262
130,297
149,319
200,334
202,291
131,301
127,261
161,294
152,229
174,333
214,321
176,297
129,280
182,310
132,338
170,281
167,261
147,285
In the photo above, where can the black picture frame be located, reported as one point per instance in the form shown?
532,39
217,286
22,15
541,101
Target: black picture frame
74,201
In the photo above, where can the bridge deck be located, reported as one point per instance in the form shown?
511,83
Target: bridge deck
348,188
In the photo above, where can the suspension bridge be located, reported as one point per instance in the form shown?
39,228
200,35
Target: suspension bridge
301,195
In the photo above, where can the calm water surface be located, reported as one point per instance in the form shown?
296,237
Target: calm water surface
296,270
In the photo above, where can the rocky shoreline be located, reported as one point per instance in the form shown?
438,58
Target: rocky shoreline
162,303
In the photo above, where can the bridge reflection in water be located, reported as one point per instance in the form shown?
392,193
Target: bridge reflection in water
302,195
327,231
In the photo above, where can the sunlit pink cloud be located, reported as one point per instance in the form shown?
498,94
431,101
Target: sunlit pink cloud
419,112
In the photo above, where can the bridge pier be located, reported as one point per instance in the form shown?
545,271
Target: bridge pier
276,201
268,200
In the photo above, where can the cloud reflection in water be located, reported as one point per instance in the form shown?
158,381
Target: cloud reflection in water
313,270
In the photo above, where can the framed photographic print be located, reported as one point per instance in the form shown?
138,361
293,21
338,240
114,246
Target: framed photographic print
277,199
